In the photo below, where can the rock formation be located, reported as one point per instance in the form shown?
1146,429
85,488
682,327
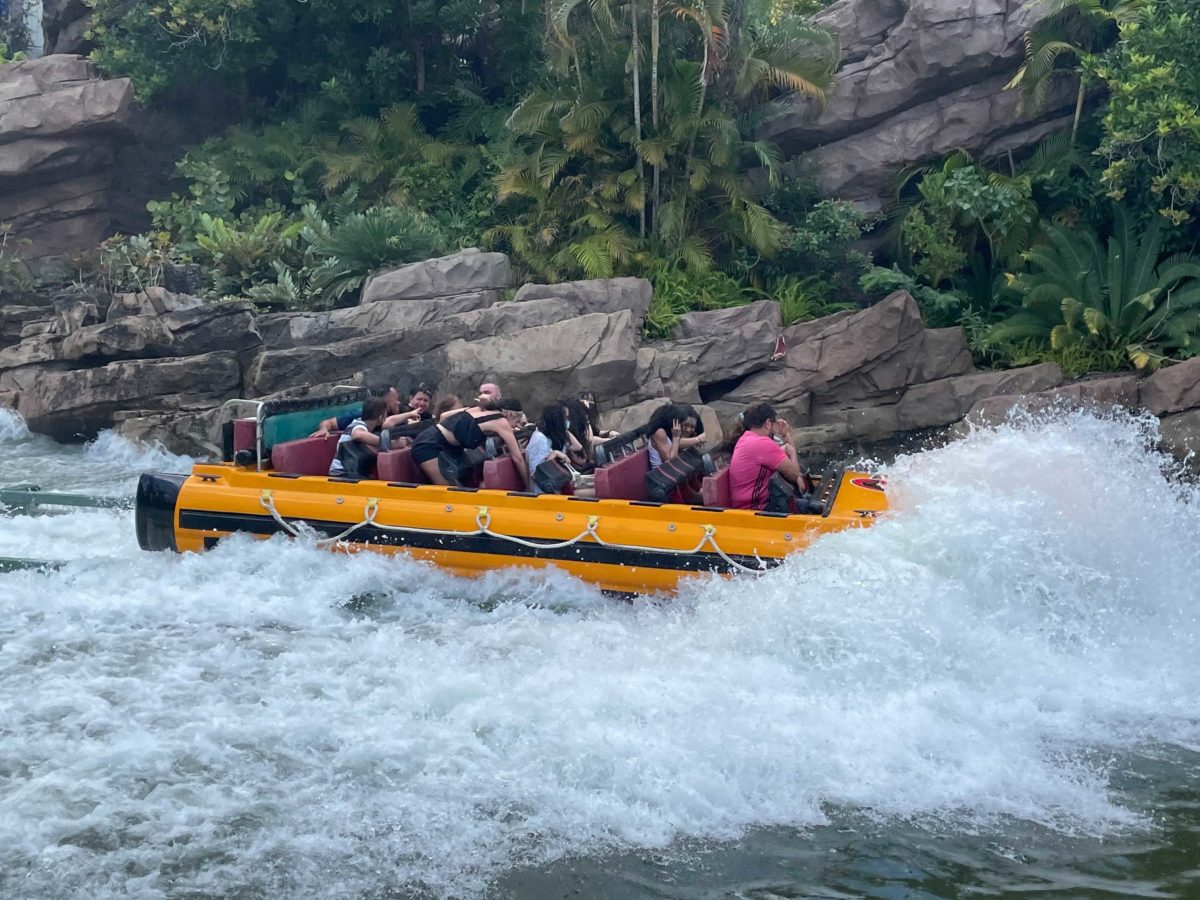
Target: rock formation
60,130
158,365
918,79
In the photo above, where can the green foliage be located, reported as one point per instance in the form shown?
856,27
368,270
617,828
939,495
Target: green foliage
801,299
134,263
15,282
637,151
964,210
241,256
7,56
338,255
938,308
1126,299
15,38
678,291
819,239
360,55
1152,122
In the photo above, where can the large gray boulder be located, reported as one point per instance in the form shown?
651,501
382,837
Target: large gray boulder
1100,394
282,331
187,332
845,359
944,402
598,295
464,272
545,363
69,406
1173,389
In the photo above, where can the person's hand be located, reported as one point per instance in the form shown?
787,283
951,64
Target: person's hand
559,456
320,432
783,429
676,429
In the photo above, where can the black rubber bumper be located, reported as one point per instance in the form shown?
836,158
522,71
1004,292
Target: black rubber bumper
154,519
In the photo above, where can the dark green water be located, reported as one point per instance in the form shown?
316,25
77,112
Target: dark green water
858,856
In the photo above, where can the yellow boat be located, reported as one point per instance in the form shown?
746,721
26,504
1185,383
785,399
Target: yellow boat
618,543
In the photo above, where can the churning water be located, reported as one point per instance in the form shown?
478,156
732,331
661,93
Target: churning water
994,689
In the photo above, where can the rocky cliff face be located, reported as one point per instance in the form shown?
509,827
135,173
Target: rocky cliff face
158,366
60,131
918,79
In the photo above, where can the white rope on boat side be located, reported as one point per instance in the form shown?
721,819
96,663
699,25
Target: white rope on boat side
483,520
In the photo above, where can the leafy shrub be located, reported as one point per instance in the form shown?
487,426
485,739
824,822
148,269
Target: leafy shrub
678,291
1125,299
802,299
338,255
241,257
1151,124
938,308
134,263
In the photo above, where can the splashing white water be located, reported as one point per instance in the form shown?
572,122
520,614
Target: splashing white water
269,719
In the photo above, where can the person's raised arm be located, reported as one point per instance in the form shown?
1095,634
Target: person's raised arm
667,447
403,418
789,468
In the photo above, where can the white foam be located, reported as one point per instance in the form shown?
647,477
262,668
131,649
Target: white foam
232,722
12,427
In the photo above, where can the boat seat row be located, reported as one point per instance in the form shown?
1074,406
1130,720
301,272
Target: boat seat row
622,479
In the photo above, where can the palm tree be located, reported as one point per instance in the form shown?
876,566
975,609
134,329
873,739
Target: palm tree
1053,49
1124,297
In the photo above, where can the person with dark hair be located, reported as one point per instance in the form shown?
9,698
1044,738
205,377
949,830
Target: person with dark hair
417,411
360,442
552,440
585,425
672,428
439,450
757,458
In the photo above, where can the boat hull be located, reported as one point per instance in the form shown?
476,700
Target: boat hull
618,545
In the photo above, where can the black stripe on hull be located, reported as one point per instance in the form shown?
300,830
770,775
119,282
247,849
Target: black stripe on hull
584,551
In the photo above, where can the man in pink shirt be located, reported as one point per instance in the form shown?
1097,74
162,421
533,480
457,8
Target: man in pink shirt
757,457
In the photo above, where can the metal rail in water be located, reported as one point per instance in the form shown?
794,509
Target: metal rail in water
16,563
29,499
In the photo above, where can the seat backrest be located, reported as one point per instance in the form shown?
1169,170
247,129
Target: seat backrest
715,489
398,465
306,456
624,479
500,474
244,432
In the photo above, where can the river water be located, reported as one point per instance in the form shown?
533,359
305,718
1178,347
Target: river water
995,690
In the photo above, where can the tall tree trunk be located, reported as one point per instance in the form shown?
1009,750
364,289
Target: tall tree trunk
654,47
635,67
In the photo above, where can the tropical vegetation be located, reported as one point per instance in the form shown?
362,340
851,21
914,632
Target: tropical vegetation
623,137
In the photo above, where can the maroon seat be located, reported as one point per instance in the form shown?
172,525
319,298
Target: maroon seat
624,479
715,489
500,474
244,431
306,456
398,465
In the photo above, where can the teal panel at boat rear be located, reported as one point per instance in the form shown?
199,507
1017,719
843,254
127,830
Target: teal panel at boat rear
295,425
